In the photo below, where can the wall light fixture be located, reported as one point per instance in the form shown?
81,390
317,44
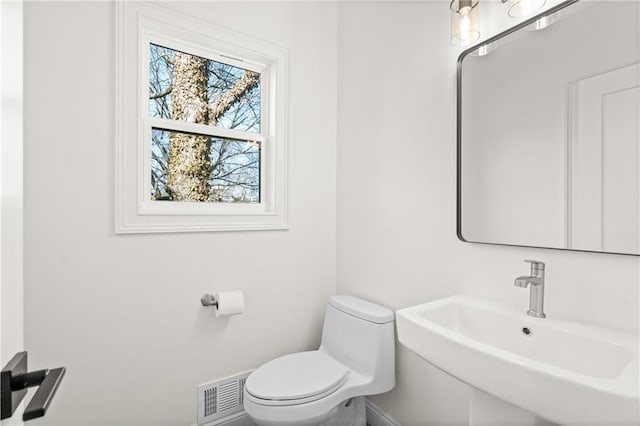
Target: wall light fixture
522,8
544,22
485,49
464,22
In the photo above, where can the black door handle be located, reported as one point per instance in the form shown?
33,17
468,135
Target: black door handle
40,402
14,381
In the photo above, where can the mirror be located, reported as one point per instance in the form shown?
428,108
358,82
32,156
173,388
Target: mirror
548,131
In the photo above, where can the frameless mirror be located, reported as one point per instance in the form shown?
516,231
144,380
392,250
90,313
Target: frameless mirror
548,131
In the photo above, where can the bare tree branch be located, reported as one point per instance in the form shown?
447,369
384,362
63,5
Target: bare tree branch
248,81
165,92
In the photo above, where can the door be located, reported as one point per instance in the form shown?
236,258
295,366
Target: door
11,302
603,162
16,375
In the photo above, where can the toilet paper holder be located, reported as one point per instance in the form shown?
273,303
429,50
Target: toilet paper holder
209,300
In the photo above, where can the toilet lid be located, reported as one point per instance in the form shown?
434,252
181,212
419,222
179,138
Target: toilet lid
297,376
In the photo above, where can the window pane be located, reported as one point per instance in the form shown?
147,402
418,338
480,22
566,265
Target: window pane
190,88
192,167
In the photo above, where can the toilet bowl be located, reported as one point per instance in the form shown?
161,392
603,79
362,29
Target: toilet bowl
327,386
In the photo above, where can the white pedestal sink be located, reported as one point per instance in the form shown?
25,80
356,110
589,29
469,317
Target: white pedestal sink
565,372
487,410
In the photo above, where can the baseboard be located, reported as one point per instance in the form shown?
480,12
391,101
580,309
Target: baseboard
239,419
377,417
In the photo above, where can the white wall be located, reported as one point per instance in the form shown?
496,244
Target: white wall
122,312
396,206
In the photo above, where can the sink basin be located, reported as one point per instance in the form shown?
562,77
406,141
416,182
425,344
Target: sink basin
566,372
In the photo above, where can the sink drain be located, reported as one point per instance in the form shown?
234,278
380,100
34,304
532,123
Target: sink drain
527,331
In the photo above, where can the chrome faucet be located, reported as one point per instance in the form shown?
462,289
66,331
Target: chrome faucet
536,280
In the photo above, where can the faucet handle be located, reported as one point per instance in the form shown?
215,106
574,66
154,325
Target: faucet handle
536,265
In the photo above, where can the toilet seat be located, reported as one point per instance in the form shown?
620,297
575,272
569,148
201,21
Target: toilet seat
297,378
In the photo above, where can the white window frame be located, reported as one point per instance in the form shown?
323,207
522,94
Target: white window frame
139,24
146,205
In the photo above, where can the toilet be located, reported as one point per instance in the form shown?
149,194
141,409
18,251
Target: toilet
327,386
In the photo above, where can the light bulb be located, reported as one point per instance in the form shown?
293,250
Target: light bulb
522,8
525,4
464,22
465,26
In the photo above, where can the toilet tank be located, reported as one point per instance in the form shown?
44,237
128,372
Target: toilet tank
361,335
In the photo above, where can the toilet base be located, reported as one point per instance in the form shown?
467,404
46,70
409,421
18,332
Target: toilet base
352,412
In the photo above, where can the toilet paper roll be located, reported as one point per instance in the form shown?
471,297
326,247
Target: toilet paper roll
229,303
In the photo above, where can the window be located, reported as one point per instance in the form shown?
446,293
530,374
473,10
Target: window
201,114
203,165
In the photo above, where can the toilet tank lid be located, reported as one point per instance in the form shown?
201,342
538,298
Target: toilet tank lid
362,308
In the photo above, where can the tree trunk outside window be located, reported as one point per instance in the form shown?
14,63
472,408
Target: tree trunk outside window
189,163
189,160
